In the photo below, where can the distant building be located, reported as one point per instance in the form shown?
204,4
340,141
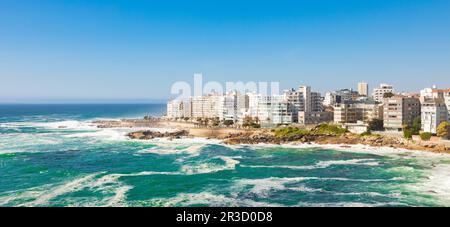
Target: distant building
270,110
175,109
353,111
433,93
378,93
308,118
206,106
344,113
367,110
340,96
434,112
231,106
363,89
399,111
303,100
330,99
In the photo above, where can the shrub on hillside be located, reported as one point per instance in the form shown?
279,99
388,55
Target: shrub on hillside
330,129
443,130
425,136
407,133
290,131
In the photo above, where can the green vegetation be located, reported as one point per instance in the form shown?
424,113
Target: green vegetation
376,125
366,134
443,130
425,136
291,131
417,125
228,122
330,129
250,122
407,132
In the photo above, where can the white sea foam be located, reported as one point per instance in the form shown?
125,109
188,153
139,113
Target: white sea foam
69,124
351,204
170,149
263,187
106,134
107,184
71,186
202,168
321,164
210,199
358,148
436,183
26,142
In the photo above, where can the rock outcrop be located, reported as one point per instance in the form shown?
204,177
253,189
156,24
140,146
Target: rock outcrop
147,135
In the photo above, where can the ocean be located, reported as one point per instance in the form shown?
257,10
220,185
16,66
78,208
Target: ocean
51,155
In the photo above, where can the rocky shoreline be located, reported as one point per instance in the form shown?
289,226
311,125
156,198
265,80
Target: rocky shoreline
346,139
264,136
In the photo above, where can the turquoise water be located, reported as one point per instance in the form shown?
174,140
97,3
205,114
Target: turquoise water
44,164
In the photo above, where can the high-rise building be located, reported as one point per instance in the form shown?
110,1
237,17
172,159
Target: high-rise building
303,100
378,93
231,105
270,110
363,89
399,111
434,112
175,109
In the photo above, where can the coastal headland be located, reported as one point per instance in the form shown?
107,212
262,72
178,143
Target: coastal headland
286,135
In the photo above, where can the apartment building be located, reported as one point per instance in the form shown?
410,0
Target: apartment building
308,118
363,89
269,109
353,111
175,109
378,93
368,110
434,111
340,96
399,111
303,100
345,113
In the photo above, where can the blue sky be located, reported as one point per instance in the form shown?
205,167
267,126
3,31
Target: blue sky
129,51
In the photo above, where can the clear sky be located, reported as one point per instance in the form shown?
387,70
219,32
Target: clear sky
111,50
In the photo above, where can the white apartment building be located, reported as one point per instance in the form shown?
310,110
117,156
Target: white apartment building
175,109
434,111
231,106
378,93
207,106
434,93
330,99
269,109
